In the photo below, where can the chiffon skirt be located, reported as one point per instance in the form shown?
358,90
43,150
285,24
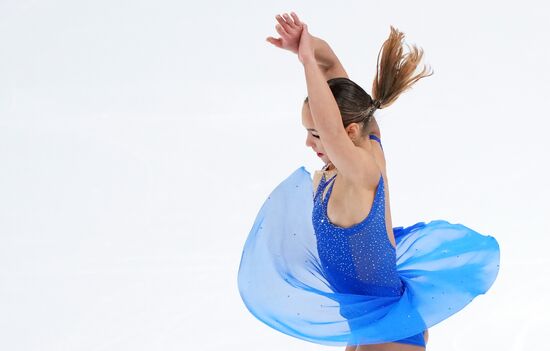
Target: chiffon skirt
443,266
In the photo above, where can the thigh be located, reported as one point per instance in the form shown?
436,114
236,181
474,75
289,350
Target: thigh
351,348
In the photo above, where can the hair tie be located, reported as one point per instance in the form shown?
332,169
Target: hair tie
370,110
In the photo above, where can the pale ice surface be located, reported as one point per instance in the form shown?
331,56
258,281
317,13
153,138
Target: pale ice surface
138,141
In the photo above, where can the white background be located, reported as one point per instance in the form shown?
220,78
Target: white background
138,140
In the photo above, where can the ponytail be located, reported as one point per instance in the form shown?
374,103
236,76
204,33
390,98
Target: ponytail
394,73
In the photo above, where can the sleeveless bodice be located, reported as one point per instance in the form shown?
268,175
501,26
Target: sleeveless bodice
358,259
336,286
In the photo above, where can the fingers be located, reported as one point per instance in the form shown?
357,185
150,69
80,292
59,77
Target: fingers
281,31
277,42
282,28
280,20
296,19
288,24
289,21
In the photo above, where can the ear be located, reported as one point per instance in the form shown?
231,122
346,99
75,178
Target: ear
353,131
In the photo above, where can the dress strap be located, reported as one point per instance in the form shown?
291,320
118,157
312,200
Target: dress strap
322,185
375,137
329,191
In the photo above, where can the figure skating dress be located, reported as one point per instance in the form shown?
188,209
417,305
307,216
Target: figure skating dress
309,278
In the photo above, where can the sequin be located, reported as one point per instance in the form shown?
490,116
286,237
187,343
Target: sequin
358,259
306,277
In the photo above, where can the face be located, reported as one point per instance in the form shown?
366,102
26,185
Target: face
313,140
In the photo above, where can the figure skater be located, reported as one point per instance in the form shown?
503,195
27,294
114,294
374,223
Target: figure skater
323,261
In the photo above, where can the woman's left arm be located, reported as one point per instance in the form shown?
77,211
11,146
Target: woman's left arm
327,59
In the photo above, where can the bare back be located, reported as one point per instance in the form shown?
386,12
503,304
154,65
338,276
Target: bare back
347,207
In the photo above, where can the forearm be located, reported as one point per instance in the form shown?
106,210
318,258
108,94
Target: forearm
324,55
323,107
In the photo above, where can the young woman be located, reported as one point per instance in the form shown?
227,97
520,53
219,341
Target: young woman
323,262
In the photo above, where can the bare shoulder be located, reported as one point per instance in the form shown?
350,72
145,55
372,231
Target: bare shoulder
370,173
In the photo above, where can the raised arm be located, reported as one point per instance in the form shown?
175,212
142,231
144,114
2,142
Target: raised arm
346,157
290,29
327,60
332,68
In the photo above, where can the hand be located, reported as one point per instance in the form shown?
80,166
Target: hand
290,29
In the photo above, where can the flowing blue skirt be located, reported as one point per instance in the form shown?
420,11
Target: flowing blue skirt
442,265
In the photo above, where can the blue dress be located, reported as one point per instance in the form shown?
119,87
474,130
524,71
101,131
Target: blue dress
309,278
